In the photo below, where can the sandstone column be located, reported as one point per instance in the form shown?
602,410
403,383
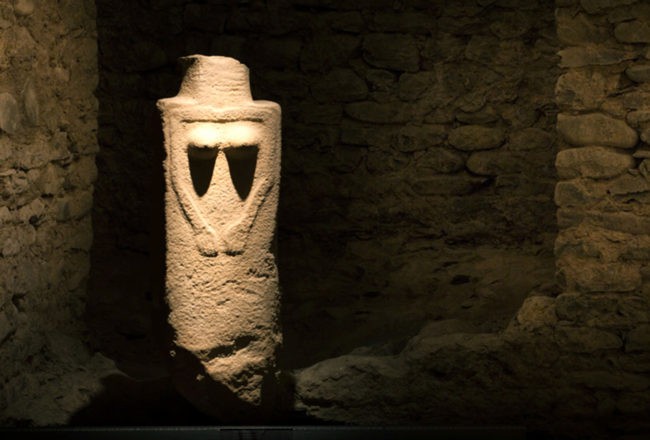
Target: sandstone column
222,174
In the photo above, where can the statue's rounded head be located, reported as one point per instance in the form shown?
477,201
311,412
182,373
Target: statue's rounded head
215,80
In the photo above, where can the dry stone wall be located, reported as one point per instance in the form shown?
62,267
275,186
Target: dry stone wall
602,248
48,121
572,365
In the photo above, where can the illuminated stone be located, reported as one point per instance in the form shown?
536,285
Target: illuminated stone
595,162
222,173
596,129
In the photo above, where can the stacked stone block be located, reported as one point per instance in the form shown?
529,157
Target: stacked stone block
602,196
48,122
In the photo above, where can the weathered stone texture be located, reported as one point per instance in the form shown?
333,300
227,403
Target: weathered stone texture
393,52
585,339
577,29
219,248
48,124
592,55
636,31
594,162
602,248
639,73
476,137
596,129
584,89
588,275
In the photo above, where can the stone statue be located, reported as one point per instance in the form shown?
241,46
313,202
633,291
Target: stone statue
222,174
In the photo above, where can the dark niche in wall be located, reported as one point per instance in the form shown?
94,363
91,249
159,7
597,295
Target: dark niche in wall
417,166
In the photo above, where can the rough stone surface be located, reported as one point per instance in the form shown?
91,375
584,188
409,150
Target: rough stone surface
339,85
591,276
578,192
221,282
537,312
450,185
595,162
530,139
584,89
600,6
638,73
602,246
576,29
596,129
496,163
638,339
390,51
48,127
580,56
9,116
585,339
636,31
476,137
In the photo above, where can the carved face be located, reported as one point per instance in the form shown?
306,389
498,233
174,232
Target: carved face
222,164
239,140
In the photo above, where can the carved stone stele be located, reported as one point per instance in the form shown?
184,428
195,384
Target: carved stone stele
222,174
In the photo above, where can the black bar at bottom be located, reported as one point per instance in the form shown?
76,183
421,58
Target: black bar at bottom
268,433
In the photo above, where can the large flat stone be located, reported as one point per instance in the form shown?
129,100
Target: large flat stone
638,73
407,22
9,113
412,85
596,129
606,380
596,310
496,162
586,339
380,112
636,31
628,184
476,137
589,275
452,184
530,139
339,85
638,339
441,160
580,89
578,307
577,192
392,51
595,162
579,56
597,6
578,29
621,221
406,138
327,51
